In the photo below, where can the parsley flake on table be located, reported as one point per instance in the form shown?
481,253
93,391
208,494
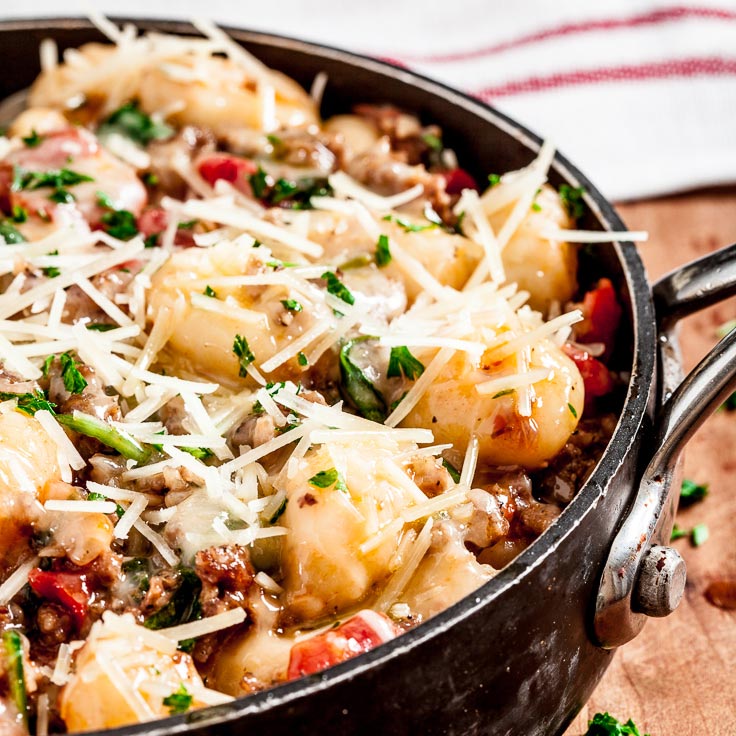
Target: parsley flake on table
604,724
692,492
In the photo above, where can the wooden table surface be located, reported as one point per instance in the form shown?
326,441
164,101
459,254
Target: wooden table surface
678,677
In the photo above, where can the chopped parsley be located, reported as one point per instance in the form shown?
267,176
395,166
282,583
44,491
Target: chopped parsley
383,252
51,272
104,200
410,227
292,305
272,389
337,288
243,353
494,179
62,196
30,403
179,701
294,194
572,199
120,224
452,470
279,511
505,392
19,214
401,361
572,410
32,140
149,179
131,122
10,234
302,359
183,605
94,496
55,178
433,141
327,478
698,534
692,492
209,291
201,453
536,207
186,224
358,388
47,366
603,724
100,326
151,241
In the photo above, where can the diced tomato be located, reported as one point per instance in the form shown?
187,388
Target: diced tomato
602,314
359,634
596,377
458,179
69,589
228,167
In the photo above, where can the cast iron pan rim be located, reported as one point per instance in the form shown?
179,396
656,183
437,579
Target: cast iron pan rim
632,414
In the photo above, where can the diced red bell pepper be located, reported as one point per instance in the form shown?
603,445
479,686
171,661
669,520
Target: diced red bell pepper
359,634
596,377
68,589
601,313
458,179
228,167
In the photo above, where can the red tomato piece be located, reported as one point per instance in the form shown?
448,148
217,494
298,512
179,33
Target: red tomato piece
359,634
69,589
152,221
458,179
228,167
602,314
596,377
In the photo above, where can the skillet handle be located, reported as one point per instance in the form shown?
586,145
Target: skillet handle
642,575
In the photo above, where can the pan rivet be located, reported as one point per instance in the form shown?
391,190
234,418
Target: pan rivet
661,582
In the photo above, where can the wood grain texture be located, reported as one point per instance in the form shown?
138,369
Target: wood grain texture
679,675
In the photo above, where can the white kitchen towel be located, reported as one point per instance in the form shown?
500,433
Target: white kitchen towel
640,95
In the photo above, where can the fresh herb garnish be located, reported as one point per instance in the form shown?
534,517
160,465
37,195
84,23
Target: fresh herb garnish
358,389
32,140
184,604
279,511
494,179
100,326
572,199
383,251
272,389
259,183
699,534
47,365
572,410
11,235
295,194
19,214
603,724
201,453
505,392
452,470
149,179
179,701
410,227
327,478
151,241
74,381
30,403
62,196
292,305
401,361
120,224
94,496
51,272
132,123
209,291
243,353
13,667
337,288
92,426
692,492
104,200
433,141
302,359
536,207
56,178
